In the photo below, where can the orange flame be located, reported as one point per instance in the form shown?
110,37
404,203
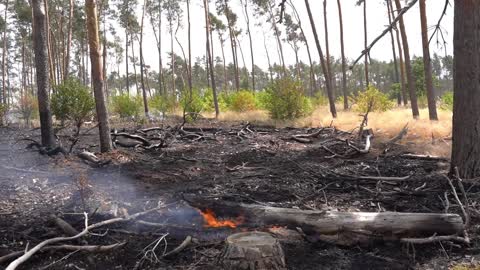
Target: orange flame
213,222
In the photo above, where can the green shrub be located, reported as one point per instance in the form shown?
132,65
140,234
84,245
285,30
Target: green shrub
378,101
422,101
191,104
262,99
447,101
162,103
287,100
242,101
72,101
208,101
126,106
319,99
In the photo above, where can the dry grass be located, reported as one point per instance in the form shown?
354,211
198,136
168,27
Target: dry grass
424,136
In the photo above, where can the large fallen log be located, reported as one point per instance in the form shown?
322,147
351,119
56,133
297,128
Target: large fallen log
386,226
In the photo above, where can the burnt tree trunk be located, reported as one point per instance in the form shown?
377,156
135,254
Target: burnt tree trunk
466,105
427,63
253,251
142,65
408,65
400,58
367,79
395,63
97,76
41,63
209,58
344,60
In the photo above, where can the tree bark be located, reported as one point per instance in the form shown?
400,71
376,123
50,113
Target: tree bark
408,65
189,71
400,58
395,64
142,64
4,56
427,64
277,36
126,61
327,45
328,83
344,60
69,42
466,105
247,17
233,45
41,63
209,58
97,76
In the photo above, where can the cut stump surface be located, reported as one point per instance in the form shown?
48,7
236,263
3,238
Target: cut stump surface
253,251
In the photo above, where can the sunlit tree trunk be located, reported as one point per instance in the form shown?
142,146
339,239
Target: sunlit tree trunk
233,44
41,62
427,64
466,105
209,57
222,44
268,58
135,78
277,36
328,83
97,76
408,66
247,18
127,79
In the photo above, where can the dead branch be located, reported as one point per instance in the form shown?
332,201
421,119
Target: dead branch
141,139
89,248
424,157
13,265
387,30
180,248
436,239
366,150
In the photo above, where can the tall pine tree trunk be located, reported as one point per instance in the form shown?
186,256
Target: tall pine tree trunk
328,82
247,18
344,60
142,64
400,58
466,105
41,62
276,33
209,57
190,85
367,78
69,42
97,76
408,66
127,79
4,56
394,52
427,64
327,46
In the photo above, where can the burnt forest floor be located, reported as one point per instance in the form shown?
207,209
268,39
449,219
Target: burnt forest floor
234,162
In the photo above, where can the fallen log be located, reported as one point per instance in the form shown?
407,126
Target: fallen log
253,251
386,226
138,138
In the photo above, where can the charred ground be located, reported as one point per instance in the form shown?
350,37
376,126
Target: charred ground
235,162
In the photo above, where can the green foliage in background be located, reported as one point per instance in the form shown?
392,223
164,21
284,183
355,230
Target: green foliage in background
378,101
286,100
447,101
208,101
191,104
126,105
72,101
162,103
321,100
242,101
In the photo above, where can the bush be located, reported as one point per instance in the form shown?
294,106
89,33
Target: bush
208,102
28,108
378,101
319,99
127,106
262,100
162,103
447,101
422,101
191,104
287,100
72,101
242,101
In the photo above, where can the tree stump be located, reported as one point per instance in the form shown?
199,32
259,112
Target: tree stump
253,251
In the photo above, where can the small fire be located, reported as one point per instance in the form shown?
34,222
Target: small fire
212,222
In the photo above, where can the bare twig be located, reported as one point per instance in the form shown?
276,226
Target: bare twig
179,249
436,239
